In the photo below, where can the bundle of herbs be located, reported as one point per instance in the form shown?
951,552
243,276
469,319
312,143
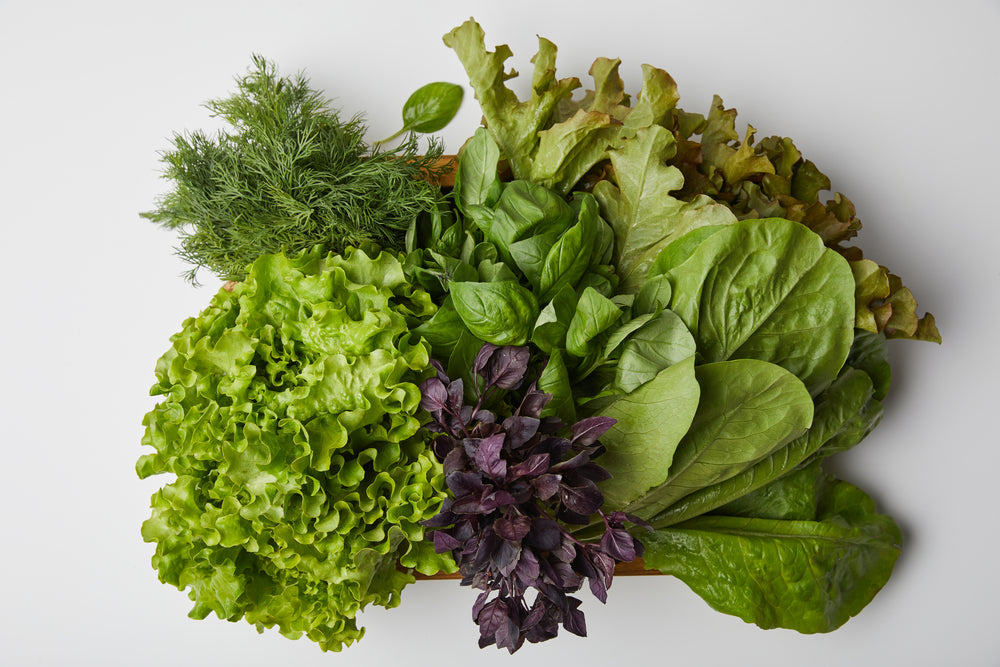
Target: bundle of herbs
290,174
697,336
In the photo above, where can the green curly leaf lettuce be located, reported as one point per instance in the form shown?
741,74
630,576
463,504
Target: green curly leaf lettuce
289,415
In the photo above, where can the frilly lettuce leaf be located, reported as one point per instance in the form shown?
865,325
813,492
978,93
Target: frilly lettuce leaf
771,178
289,415
549,138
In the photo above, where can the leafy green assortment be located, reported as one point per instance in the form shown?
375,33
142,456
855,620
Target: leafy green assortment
685,296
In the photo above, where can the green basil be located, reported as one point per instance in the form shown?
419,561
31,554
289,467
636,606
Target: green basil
502,313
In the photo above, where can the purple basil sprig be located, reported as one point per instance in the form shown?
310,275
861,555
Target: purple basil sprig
516,484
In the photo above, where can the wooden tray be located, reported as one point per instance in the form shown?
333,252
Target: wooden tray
632,569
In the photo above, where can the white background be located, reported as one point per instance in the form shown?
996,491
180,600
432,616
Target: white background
896,102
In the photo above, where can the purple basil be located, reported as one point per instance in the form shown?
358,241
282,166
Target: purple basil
517,485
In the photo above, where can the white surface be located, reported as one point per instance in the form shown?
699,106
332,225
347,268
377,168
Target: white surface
896,102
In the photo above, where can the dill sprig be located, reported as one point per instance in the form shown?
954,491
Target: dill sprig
288,176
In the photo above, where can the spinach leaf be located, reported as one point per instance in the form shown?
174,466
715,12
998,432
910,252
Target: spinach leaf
660,343
768,290
788,498
835,411
651,422
807,575
748,409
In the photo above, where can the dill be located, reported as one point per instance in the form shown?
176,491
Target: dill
288,176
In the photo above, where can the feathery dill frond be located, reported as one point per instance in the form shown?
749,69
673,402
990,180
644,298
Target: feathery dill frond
288,175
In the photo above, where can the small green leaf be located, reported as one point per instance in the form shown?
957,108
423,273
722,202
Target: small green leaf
594,314
476,180
431,107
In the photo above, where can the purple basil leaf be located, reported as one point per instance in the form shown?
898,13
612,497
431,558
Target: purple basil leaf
444,542
454,461
482,357
505,557
546,485
545,534
509,633
534,465
605,565
583,563
533,403
577,461
536,614
582,500
488,457
456,396
599,589
513,529
552,425
486,417
491,617
442,519
463,483
433,395
556,447
480,602
470,504
589,430
593,472
495,500
520,430
573,619
527,570
618,544
566,551
439,368
488,544
506,367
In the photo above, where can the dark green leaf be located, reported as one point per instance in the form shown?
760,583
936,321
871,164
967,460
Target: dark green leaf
810,576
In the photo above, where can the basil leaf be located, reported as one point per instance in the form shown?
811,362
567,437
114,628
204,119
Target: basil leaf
502,313
430,108
569,257
594,313
554,380
476,180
